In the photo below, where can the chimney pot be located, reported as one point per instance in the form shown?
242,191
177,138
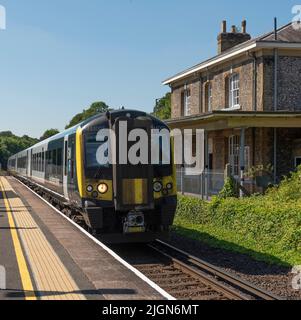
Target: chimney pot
224,26
244,26
227,40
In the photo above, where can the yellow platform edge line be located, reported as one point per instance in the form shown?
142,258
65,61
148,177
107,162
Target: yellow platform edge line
23,268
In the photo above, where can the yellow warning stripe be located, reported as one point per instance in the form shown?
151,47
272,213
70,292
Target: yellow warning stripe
23,268
52,279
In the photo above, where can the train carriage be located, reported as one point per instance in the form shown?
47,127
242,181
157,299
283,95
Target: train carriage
120,202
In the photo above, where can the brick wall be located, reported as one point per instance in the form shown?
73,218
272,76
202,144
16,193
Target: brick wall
289,80
218,79
176,98
289,97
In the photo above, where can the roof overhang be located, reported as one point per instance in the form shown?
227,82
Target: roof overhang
257,45
220,120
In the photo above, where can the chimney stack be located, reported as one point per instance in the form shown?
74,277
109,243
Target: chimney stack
228,40
244,26
224,26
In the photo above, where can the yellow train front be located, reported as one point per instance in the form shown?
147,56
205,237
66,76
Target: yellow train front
122,202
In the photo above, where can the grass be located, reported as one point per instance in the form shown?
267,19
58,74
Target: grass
220,238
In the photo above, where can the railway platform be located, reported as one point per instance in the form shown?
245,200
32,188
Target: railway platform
43,256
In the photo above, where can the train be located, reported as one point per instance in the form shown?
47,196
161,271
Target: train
119,202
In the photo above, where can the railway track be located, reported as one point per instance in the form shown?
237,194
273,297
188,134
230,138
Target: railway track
186,277
180,274
225,284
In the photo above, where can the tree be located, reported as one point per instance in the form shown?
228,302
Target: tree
95,108
11,144
162,109
49,133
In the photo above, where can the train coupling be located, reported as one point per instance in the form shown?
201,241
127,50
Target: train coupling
134,222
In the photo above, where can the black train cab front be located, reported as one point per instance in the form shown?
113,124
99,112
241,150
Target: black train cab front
124,202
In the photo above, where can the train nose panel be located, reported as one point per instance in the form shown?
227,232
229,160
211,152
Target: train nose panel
133,184
134,191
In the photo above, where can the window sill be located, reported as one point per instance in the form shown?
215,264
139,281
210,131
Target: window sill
232,108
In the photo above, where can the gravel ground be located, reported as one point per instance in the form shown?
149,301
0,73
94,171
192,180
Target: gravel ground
273,278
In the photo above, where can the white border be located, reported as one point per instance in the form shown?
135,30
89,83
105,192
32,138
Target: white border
108,250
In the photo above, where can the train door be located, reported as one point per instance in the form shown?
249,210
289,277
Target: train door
27,163
133,184
30,164
65,169
71,176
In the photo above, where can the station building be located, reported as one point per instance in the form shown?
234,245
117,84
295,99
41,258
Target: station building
247,98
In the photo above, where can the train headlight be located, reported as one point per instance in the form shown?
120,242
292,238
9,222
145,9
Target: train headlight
89,188
103,188
169,186
158,186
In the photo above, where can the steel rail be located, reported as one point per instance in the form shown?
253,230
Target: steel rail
207,268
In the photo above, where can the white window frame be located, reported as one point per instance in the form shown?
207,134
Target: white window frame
234,154
234,92
187,108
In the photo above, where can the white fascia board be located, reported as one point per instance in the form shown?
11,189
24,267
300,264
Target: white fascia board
278,45
211,63
256,45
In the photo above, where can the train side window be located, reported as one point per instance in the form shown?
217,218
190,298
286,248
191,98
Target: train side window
39,161
72,168
43,161
59,162
54,162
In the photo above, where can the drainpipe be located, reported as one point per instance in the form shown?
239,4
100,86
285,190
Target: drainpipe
254,58
206,166
276,56
242,159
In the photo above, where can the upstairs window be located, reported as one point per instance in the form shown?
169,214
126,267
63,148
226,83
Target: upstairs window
208,97
234,101
186,103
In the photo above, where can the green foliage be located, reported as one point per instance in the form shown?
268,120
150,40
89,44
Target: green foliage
268,226
11,144
95,108
229,190
162,109
49,133
260,170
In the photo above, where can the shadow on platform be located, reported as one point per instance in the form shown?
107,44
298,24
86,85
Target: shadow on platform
18,294
8,195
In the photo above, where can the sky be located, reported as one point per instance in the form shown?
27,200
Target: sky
59,56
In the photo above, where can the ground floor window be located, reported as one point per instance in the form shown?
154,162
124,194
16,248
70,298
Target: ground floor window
297,162
234,150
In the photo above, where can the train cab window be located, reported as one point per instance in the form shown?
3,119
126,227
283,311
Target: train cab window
91,147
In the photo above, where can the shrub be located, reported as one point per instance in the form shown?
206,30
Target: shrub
271,223
229,190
